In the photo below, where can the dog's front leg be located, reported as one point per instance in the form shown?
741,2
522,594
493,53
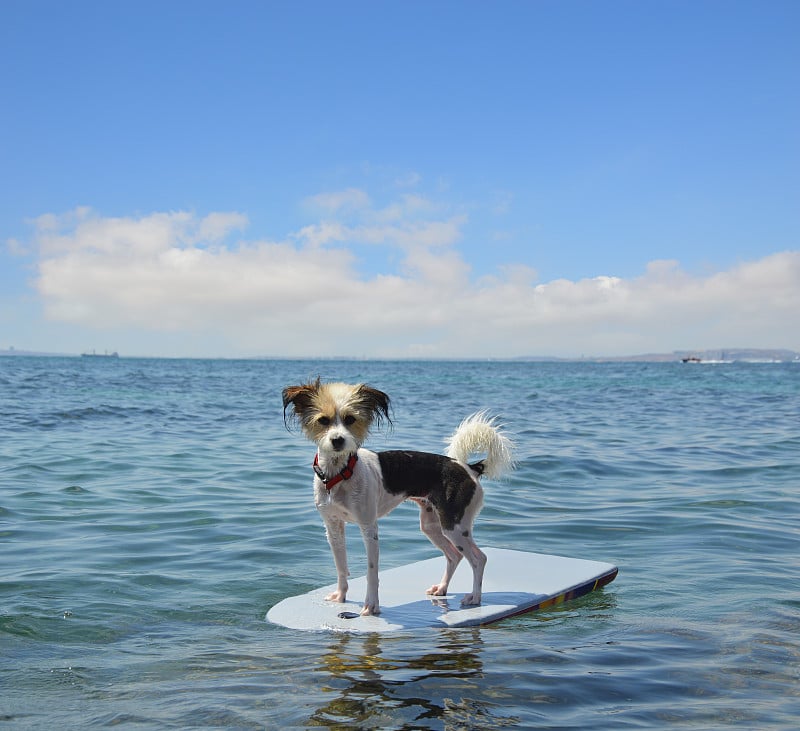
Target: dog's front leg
370,535
334,529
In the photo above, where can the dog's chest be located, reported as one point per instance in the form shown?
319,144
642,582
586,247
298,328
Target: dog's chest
361,499
346,501
331,503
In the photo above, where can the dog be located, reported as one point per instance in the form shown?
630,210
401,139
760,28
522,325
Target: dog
356,485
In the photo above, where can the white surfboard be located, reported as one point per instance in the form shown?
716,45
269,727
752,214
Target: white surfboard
515,582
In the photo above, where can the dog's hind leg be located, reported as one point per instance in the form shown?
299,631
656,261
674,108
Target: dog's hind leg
431,526
461,536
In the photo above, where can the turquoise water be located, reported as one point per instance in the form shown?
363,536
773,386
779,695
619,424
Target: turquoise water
151,511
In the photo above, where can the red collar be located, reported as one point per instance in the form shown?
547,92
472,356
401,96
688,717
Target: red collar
345,474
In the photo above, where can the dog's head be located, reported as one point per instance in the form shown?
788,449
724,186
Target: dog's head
336,416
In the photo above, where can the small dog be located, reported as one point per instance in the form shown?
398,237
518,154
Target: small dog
355,485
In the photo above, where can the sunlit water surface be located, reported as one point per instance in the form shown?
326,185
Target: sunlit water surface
151,511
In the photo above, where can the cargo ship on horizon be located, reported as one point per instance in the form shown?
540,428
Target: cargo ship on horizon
106,354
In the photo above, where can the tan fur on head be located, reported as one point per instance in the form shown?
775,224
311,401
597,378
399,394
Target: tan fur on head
320,406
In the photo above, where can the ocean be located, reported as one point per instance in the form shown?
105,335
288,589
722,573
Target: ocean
152,511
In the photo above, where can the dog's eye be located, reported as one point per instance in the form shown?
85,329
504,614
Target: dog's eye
324,421
349,420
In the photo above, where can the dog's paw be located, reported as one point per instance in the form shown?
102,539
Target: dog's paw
370,610
337,596
437,590
471,600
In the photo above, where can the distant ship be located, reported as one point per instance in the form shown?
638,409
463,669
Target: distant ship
115,354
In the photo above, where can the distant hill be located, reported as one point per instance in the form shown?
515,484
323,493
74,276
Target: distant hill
738,355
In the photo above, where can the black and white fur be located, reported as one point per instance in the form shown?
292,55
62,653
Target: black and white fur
337,417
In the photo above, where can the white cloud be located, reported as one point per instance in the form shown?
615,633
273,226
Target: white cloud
16,248
307,295
81,229
351,199
320,234
217,226
407,207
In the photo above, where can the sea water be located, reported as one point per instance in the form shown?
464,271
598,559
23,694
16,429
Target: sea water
152,511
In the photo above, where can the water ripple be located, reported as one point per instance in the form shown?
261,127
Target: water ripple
151,511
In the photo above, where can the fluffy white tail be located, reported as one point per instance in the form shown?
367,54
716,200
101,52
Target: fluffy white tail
480,435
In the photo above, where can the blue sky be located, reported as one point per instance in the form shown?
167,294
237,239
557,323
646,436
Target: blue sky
422,179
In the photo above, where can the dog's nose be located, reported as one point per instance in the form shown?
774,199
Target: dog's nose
337,443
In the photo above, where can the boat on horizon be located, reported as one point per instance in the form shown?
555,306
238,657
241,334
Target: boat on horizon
106,354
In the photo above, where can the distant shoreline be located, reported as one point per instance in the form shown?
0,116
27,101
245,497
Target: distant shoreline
723,355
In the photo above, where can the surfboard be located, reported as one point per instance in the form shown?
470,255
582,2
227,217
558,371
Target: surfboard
515,582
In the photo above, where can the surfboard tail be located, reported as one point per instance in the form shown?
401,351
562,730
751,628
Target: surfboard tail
480,434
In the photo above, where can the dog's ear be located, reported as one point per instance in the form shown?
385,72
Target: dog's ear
300,397
376,401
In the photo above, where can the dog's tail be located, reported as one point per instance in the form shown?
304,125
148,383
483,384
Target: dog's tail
480,434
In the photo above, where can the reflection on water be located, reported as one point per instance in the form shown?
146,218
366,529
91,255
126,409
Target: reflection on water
386,681
372,684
